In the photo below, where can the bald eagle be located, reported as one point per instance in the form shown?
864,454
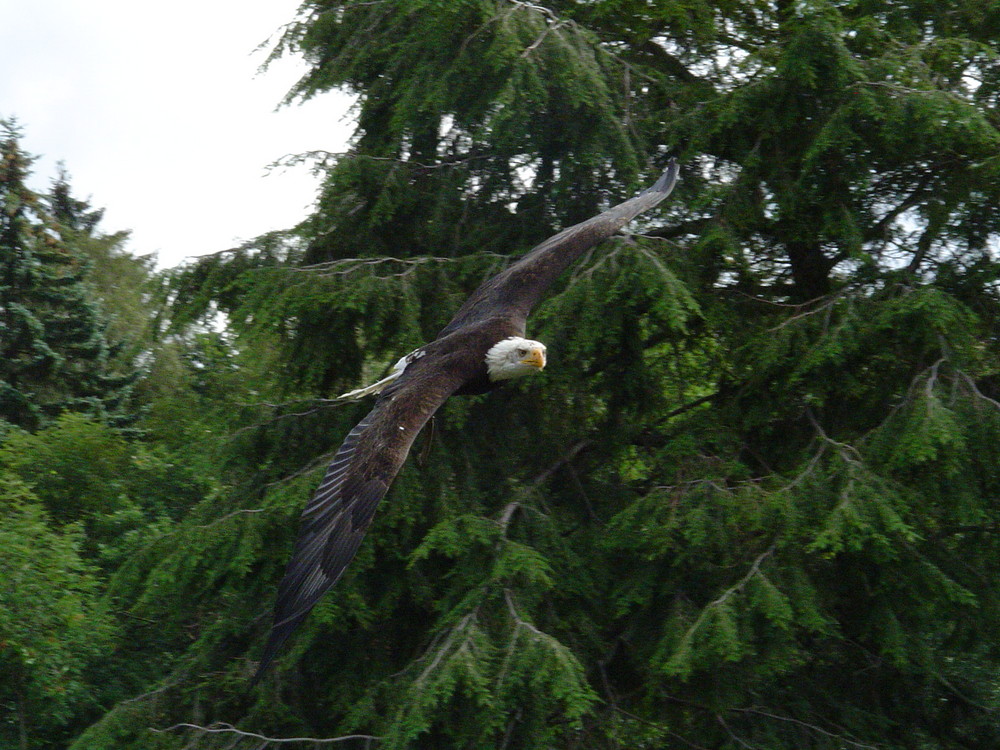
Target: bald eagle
477,351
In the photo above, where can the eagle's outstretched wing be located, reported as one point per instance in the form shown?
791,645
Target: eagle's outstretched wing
341,509
513,292
337,517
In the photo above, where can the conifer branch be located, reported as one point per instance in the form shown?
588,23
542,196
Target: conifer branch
725,595
463,624
741,584
670,63
549,28
519,621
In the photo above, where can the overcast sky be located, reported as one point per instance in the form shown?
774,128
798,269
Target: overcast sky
160,117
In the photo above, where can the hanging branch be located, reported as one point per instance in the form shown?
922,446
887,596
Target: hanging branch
806,725
223,728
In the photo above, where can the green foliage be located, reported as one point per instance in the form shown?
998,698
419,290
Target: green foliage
52,625
750,503
86,473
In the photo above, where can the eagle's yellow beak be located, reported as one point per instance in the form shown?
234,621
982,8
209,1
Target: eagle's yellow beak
535,358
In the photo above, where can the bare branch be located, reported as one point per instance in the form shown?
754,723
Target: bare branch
807,471
519,621
324,403
347,266
223,728
978,393
151,693
740,741
670,63
830,300
463,624
739,585
228,516
324,158
566,458
316,463
659,727
957,693
508,513
807,725
919,193
932,378
847,451
547,12
734,589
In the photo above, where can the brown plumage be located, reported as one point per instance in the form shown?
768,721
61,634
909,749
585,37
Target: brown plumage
488,326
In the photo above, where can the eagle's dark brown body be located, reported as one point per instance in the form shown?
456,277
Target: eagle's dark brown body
337,516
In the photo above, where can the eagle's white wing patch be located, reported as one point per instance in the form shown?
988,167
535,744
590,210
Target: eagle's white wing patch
378,387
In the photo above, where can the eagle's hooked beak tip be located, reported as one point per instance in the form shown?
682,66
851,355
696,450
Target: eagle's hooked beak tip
535,358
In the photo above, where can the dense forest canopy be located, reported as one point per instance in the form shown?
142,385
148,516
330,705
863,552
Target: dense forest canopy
751,503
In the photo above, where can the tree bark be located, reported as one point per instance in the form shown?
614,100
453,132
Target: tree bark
810,270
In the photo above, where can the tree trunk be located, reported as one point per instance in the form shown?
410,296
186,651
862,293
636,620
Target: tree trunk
810,270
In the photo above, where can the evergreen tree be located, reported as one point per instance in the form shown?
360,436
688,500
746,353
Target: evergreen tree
54,350
751,504
78,494
125,284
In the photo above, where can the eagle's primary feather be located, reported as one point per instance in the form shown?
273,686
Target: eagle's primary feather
341,509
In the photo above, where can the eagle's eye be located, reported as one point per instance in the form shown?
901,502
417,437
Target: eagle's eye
522,352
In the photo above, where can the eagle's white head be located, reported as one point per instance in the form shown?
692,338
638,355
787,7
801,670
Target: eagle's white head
514,357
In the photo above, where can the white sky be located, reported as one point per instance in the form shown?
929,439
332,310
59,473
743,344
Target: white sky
160,117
